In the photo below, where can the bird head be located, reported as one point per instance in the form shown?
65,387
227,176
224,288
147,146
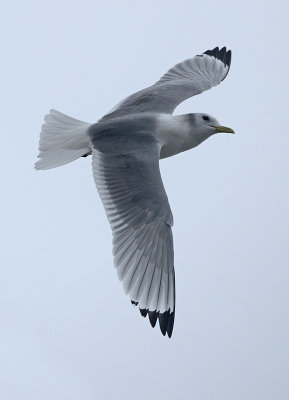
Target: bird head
206,125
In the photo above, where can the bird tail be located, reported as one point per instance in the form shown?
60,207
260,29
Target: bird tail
62,139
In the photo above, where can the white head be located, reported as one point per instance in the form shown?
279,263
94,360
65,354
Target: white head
183,132
204,125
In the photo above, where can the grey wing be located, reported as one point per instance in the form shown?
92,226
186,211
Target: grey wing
184,80
130,186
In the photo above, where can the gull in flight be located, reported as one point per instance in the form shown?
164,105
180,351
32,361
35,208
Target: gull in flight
126,146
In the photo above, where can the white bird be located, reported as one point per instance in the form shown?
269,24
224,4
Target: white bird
126,145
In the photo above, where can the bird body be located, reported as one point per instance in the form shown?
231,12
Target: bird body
174,134
126,145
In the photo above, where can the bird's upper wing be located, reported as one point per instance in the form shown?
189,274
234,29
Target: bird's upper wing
127,176
184,80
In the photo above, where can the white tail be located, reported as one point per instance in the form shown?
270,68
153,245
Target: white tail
62,139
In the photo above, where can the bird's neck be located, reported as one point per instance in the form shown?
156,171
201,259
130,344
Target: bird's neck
176,135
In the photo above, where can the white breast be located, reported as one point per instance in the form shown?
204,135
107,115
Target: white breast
173,133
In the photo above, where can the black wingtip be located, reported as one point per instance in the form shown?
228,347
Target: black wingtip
163,319
166,322
166,319
153,317
227,58
143,312
170,323
222,55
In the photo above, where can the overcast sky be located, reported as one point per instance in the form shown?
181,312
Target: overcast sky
68,332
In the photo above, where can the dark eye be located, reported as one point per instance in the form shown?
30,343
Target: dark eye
205,118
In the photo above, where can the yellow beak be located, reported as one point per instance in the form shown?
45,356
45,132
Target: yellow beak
223,129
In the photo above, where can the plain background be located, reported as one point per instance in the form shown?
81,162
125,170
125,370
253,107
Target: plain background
67,329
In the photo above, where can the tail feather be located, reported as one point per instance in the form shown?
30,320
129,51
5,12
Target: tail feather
62,139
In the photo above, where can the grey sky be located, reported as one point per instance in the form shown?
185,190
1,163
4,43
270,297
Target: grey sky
67,329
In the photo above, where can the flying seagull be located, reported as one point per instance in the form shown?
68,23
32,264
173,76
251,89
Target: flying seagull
126,146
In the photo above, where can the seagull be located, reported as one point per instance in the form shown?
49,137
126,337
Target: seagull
126,145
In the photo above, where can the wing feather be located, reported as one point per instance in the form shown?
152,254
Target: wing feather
186,79
137,208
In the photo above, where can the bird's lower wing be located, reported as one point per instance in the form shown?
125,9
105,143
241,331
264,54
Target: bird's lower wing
186,79
131,189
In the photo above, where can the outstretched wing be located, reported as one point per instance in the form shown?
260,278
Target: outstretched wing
128,180
184,80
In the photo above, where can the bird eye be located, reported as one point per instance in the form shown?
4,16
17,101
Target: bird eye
205,118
